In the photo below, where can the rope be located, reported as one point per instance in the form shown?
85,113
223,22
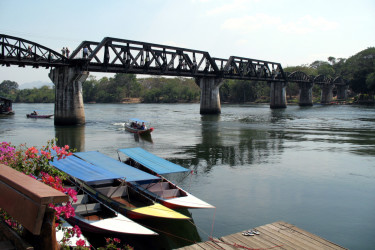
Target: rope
213,222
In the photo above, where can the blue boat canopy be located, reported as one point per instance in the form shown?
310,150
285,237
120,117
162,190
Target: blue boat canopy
137,120
82,170
152,162
125,171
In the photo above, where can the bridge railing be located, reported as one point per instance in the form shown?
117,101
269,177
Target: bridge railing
14,50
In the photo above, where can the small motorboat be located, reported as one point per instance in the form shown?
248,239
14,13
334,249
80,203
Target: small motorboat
36,114
163,191
138,126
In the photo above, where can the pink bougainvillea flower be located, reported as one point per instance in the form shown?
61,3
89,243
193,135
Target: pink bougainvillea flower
81,243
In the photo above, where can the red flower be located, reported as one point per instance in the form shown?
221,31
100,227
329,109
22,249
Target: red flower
80,243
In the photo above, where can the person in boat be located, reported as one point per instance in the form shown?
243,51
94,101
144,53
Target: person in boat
143,126
34,113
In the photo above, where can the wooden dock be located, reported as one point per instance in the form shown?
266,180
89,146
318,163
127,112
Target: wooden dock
277,235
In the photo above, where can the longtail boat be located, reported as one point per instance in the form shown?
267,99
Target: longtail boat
137,126
164,191
111,189
95,217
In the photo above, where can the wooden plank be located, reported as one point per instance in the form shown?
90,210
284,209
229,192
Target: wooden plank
25,198
292,237
218,244
317,238
278,235
22,208
256,239
231,239
274,240
283,240
37,191
312,239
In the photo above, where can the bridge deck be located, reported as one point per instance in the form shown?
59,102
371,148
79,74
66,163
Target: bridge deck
277,235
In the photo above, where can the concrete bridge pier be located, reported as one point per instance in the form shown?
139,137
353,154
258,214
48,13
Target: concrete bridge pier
305,94
210,98
69,109
278,95
327,93
342,91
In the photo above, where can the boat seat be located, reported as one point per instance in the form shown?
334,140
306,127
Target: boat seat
167,194
158,186
87,208
81,199
113,191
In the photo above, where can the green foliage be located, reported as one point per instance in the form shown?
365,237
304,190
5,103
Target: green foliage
237,91
8,89
358,69
43,94
170,90
370,82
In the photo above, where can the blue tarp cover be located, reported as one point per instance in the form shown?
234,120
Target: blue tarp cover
103,161
137,120
152,162
82,170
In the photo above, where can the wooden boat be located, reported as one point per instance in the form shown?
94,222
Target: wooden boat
110,187
164,191
38,116
134,125
6,106
93,216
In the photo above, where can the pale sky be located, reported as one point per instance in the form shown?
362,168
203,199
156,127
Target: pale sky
292,32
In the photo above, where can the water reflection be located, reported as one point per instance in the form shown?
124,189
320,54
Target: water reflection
74,136
243,144
144,137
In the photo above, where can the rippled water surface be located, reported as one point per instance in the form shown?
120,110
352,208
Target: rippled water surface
313,167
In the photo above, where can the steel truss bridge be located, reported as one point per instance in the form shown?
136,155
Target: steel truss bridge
114,55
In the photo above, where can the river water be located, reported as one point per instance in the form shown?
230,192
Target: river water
313,167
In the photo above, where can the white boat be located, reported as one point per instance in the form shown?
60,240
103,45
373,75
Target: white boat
164,191
93,216
73,240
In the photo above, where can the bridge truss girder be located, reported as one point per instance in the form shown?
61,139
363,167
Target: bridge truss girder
21,52
126,56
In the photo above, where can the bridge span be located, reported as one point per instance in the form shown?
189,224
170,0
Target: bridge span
115,55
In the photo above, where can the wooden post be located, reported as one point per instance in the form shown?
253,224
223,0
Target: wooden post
26,200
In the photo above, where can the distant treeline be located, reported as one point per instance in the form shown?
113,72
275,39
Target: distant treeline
358,70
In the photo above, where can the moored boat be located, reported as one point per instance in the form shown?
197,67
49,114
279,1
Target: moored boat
138,126
93,216
112,188
164,191
61,233
6,106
